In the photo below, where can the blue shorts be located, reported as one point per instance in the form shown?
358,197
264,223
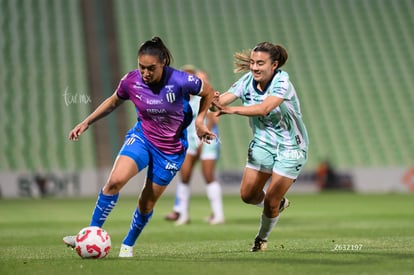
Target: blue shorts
161,167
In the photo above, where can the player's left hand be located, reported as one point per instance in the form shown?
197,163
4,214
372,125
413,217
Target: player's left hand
204,134
215,104
218,107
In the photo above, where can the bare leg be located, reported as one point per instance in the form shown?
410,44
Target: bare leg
277,189
253,182
123,170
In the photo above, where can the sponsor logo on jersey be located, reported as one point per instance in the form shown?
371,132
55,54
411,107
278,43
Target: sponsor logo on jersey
192,78
156,111
155,101
171,166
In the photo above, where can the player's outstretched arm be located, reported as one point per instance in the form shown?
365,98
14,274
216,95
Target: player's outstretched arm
221,101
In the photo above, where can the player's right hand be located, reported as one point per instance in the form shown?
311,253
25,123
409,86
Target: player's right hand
78,130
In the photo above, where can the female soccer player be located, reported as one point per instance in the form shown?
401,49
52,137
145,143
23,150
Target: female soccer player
158,141
280,141
208,154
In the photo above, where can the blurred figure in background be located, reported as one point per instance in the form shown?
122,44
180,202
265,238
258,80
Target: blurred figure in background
208,155
328,178
41,182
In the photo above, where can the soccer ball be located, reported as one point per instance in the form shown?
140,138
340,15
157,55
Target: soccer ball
92,242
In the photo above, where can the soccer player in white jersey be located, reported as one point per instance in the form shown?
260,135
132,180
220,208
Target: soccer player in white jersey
158,141
208,155
279,148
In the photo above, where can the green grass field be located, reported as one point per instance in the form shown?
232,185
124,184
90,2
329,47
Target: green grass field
330,233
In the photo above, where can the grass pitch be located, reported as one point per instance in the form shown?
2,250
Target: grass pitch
328,233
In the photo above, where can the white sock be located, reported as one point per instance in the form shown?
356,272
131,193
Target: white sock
182,199
266,226
213,190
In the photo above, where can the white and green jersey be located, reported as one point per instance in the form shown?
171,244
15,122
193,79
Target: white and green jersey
283,127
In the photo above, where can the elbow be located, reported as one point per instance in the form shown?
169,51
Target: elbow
115,102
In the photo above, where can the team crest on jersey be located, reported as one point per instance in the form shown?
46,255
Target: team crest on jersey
170,95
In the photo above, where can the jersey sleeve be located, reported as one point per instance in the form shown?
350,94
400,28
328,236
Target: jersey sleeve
238,87
122,90
193,84
280,86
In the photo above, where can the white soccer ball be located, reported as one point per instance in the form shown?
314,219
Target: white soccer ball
92,242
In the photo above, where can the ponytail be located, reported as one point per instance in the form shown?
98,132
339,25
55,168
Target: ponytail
156,47
242,61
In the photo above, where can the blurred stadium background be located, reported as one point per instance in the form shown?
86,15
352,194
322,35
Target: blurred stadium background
350,61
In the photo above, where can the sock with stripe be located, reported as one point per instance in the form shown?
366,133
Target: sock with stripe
137,225
103,207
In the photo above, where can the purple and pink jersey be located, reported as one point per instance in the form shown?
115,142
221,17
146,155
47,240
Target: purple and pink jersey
163,109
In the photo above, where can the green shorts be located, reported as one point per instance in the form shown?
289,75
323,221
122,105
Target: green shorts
287,163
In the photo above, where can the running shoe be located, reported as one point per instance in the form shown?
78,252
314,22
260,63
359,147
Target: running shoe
126,251
173,216
69,241
284,204
259,245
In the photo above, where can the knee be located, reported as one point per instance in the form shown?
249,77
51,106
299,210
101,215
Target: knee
146,209
113,186
248,197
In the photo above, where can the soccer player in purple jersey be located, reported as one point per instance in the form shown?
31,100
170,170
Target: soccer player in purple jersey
158,141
